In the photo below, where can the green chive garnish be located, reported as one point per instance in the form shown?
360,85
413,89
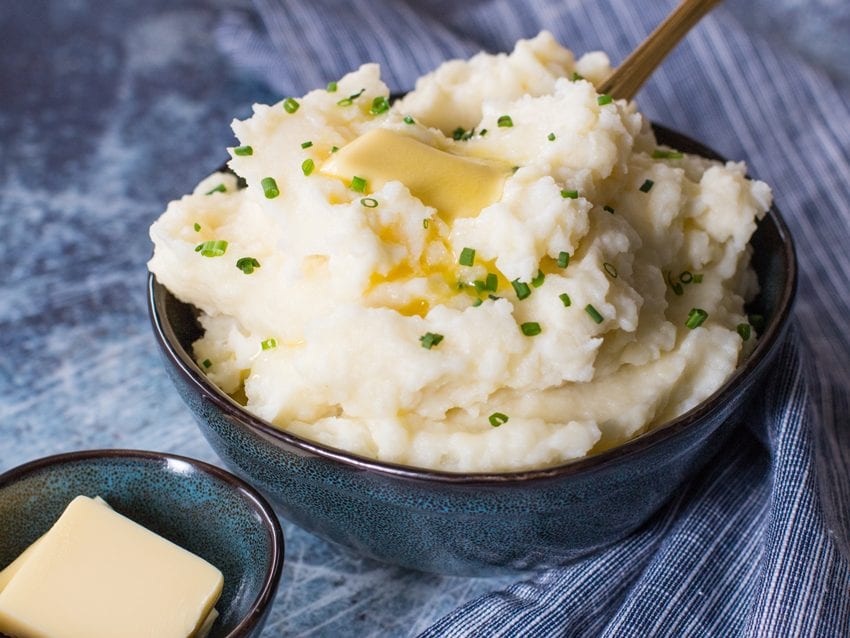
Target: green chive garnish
551,137
677,289
604,99
538,279
197,227
270,187
563,259
243,150
662,154
521,289
744,330
497,418
369,202
477,303
646,186
212,248
480,286
331,87
409,120
696,317
492,282
425,224
306,144
358,184
348,101
576,76
206,363
290,105
569,194
610,269
505,121
247,264
430,339
594,313
221,188
458,133
531,328
608,209
565,298
379,105
307,166
483,132
269,343
467,257
334,149
698,278
686,277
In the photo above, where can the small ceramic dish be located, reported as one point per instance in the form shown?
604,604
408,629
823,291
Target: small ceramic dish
481,523
202,508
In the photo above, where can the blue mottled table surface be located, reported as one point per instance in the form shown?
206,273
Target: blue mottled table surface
107,111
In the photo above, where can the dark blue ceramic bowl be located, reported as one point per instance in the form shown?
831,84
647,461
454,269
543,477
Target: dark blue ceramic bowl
204,509
478,524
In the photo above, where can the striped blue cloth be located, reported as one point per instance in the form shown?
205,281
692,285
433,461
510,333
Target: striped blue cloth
758,544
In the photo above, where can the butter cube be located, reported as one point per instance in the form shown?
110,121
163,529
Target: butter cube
97,574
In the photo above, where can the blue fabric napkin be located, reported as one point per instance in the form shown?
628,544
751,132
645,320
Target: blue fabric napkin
758,543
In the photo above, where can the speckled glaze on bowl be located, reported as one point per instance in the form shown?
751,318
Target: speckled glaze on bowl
477,524
202,508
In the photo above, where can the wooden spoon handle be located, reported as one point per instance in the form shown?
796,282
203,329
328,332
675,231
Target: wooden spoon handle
625,81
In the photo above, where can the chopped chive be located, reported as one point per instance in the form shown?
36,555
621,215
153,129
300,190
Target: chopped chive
757,322
197,227
458,133
604,99
479,284
247,264
243,150
563,259
221,188
514,169
290,105
576,76
430,339
409,120
569,194
331,88
744,330
212,248
646,186
358,184
483,132
594,313
610,269
348,101
698,278
551,137
521,289
334,149
425,224
206,363
686,277
659,153
565,299
477,302
467,257
379,105
696,317
369,202
677,289
538,279
505,121
306,144
497,418
269,343
608,209
492,282
270,187
530,328
307,166
493,297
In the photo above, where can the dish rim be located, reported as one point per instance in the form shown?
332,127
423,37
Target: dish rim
774,330
258,503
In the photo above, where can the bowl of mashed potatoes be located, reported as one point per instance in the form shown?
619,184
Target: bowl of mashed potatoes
490,325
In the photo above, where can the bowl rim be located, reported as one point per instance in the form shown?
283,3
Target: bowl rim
744,373
256,501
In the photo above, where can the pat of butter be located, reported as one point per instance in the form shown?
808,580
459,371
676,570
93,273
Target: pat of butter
97,574
456,186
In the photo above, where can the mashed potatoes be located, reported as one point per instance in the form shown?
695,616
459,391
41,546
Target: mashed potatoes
599,293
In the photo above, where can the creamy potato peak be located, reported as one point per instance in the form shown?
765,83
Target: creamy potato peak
501,271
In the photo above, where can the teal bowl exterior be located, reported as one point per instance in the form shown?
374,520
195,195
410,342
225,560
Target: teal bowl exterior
479,524
202,508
